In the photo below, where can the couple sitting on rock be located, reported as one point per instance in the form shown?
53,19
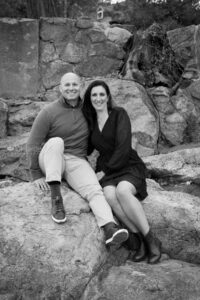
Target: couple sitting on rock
63,134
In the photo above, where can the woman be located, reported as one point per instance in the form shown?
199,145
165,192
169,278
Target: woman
122,171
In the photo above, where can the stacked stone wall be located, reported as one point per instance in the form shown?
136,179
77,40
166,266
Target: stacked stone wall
36,53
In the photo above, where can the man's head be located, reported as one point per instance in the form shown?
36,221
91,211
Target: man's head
70,86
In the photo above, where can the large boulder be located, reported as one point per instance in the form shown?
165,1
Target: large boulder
150,59
13,157
19,70
21,115
44,260
181,165
3,118
173,114
39,258
169,280
185,43
175,218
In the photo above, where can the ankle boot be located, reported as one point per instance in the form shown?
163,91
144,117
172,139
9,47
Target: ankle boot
141,252
133,242
154,248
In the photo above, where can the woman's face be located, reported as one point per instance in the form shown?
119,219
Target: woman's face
99,98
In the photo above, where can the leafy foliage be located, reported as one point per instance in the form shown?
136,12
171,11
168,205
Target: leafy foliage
13,8
171,13
141,13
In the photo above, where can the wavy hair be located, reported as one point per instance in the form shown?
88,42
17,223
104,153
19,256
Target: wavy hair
88,109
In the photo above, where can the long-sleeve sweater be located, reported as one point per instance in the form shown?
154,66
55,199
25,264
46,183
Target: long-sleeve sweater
57,119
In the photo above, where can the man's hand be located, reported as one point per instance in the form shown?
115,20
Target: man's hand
100,175
41,184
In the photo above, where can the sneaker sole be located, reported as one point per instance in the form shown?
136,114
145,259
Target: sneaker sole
59,221
118,237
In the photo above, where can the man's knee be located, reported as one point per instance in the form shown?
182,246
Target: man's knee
92,192
56,143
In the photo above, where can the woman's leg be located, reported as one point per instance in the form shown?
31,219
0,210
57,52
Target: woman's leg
134,242
125,192
110,194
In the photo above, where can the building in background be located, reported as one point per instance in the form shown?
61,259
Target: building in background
111,11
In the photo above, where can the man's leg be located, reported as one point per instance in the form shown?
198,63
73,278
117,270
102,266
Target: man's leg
52,163
82,178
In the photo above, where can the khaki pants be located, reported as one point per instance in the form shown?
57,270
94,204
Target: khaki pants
78,173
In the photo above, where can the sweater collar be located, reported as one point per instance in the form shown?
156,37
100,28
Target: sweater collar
68,105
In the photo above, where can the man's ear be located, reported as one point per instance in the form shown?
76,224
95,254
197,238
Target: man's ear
60,89
82,87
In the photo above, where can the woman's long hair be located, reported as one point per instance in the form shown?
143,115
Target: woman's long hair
88,110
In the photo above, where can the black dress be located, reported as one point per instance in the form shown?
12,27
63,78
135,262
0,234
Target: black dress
117,159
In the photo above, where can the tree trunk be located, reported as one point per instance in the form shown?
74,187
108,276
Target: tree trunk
46,8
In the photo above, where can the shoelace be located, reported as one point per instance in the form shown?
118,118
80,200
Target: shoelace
59,205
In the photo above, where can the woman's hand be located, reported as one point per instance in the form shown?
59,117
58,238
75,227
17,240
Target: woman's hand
41,184
100,175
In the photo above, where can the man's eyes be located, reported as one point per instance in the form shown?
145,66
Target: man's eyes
73,84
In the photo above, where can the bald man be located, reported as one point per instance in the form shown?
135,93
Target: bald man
57,148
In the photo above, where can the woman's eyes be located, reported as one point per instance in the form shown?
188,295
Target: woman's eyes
101,94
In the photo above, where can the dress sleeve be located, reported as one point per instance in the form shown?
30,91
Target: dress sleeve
122,149
37,138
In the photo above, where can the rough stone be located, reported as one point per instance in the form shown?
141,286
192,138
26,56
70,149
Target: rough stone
182,165
83,37
169,280
52,94
19,74
107,49
96,35
84,23
184,105
13,157
57,29
22,115
97,66
176,115
48,52
194,89
175,219
150,59
173,128
117,35
39,258
161,99
52,72
183,42
3,118
74,53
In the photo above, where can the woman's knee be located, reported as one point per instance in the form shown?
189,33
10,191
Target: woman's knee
124,189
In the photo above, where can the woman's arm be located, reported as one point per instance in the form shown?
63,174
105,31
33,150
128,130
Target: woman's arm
122,149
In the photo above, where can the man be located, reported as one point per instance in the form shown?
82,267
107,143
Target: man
57,148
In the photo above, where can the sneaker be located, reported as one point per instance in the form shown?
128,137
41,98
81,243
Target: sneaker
115,235
57,210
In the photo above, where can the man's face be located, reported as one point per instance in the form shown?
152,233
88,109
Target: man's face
70,86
